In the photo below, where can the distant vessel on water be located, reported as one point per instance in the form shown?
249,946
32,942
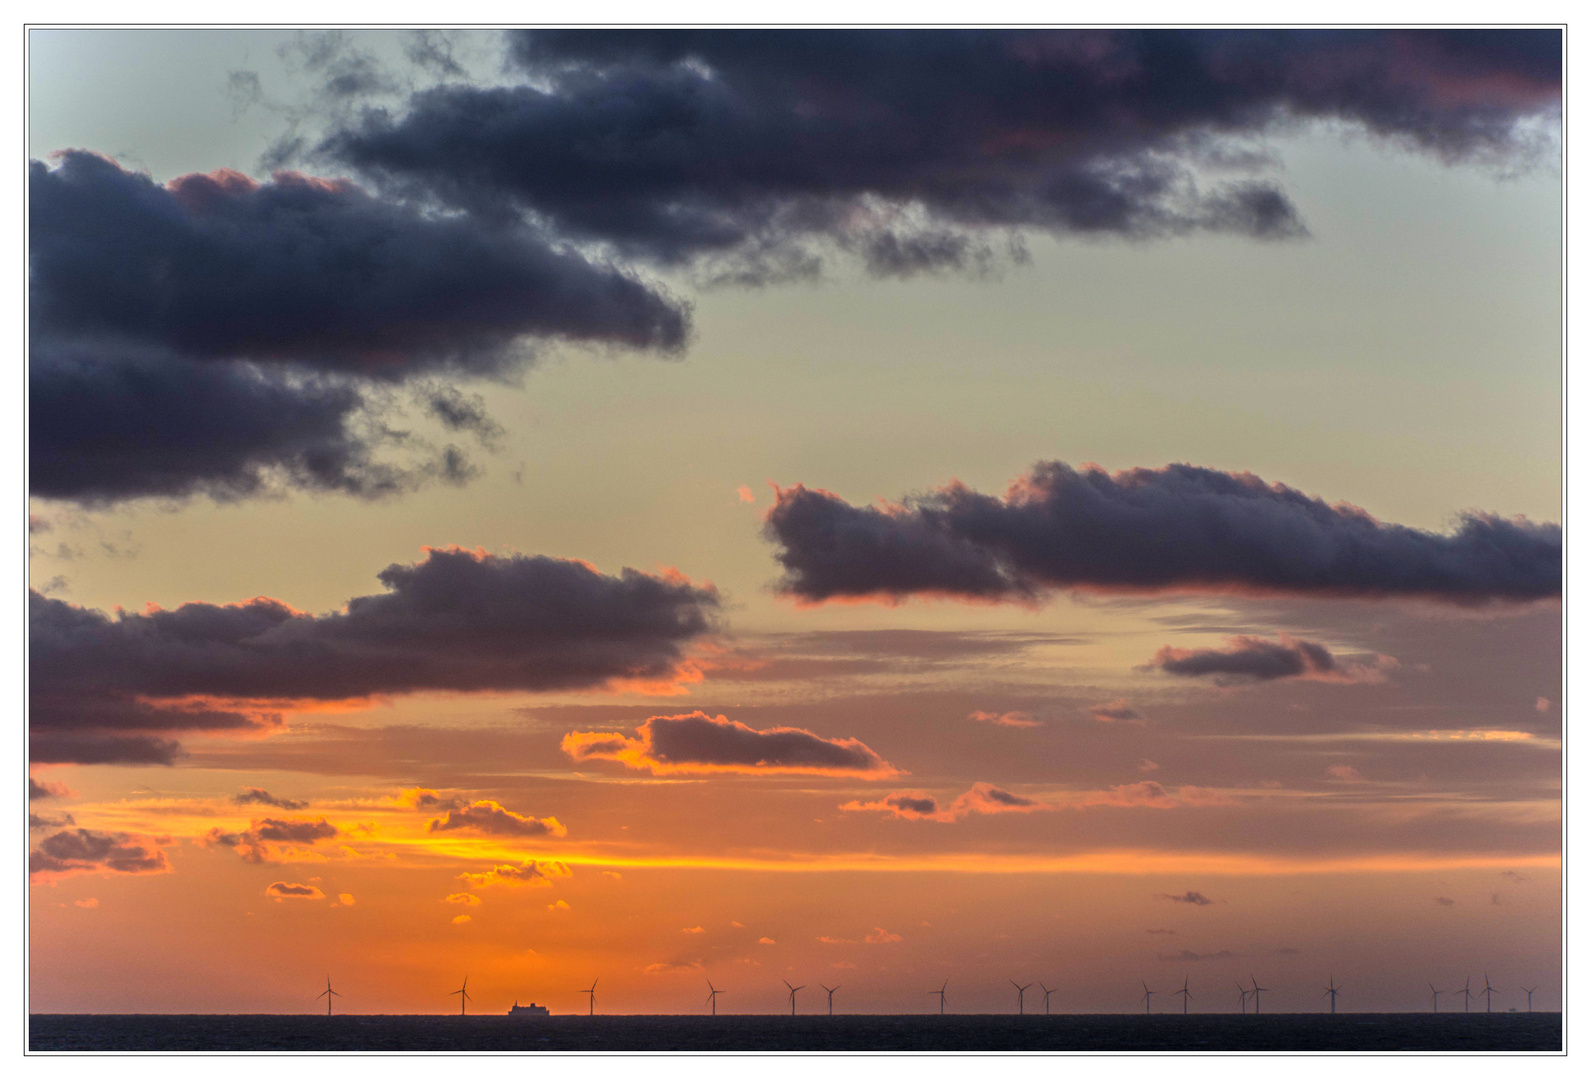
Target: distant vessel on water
528,1010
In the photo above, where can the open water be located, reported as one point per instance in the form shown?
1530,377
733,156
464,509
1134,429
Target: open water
1384,1032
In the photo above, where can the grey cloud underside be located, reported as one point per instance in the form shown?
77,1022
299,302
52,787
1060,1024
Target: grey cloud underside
454,621
80,850
1176,528
213,335
697,739
1249,658
918,150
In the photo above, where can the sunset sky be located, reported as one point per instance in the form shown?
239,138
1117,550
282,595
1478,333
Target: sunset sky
873,508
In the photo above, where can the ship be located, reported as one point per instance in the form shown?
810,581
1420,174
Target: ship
528,1010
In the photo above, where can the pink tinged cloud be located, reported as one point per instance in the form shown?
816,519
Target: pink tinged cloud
1180,528
1006,719
1345,773
981,798
1253,659
698,743
1113,711
745,494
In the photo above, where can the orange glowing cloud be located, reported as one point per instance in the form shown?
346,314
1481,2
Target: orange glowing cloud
491,819
981,798
534,872
1006,719
698,743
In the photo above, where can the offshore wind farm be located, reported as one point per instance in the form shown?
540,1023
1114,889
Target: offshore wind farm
959,512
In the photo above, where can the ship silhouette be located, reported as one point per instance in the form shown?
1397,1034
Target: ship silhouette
528,1010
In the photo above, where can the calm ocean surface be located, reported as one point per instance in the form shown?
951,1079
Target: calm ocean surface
453,1034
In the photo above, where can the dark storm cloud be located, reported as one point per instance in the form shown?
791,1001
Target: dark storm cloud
910,147
74,851
486,816
1178,528
1198,899
214,333
260,795
456,621
1249,658
696,742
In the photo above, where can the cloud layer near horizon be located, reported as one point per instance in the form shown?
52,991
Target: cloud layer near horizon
1177,528
106,689
698,743
755,151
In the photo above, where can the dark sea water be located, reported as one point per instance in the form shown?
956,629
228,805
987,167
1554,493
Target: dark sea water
702,1034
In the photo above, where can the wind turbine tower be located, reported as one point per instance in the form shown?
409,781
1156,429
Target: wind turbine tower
1021,992
1047,993
464,994
1530,998
1333,989
328,994
941,993
1256,993
591,998
1185,995
1148,993
831,990
1465,992
1434,994
1488,992
1243,1002
712,996
793,990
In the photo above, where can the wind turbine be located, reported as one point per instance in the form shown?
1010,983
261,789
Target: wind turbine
591,1000
941,993
793,990
1465,992
1047,993
1434,993
1333,989
1488,991
1530,998
712,996
1185,995
1021,992
1256,992
831,990
328,994
1148,993
465,992
1243,1004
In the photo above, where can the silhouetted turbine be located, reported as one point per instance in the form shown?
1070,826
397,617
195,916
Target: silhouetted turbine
1021,991
1148,993
793,990
1243,1004
1185,995
1333,989
1257,989
1530,998
1434,993
464,990
591,1001
941,993
1488,991
1465,992
328,994
1047,993
831,990
712,996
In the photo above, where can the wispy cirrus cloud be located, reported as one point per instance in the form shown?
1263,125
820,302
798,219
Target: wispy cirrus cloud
698,743
1014,719
1176,529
